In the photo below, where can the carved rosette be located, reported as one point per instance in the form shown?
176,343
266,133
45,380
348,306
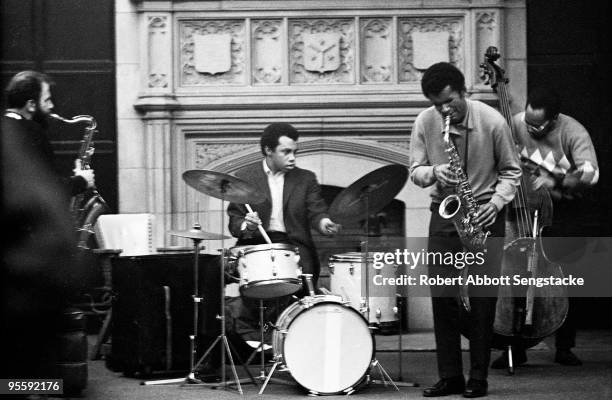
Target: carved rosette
188,74
453,25
206,153
376,50
267,51
299,30
158,68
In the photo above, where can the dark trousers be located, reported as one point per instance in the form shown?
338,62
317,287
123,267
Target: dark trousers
564,225
450,317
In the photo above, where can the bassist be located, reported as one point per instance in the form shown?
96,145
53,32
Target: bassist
557,149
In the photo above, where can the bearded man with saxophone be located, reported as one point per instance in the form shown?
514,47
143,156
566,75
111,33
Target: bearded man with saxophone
39,270
483,172
28,98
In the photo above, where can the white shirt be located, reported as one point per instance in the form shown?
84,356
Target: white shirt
276,181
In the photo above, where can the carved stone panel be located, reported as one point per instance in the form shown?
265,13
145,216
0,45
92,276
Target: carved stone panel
306,51
454,26
158,47
213,53
190,31
487,34
206,153
376,50
267,45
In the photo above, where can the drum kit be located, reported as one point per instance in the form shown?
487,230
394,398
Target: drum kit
337,326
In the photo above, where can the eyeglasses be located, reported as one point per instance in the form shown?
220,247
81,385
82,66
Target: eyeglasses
536,129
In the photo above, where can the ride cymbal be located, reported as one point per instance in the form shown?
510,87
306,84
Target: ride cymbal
223,186
369,194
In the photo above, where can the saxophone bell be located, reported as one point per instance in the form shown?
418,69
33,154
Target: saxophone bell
450,206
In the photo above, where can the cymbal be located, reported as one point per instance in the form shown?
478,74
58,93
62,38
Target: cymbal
369,194
223,186
194,233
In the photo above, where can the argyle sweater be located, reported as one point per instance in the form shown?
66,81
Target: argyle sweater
566,148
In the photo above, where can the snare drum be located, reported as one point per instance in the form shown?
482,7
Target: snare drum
346,280
326,344
268,271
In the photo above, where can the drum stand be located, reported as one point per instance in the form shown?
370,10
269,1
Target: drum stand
375,363
222,338
226,347
261,347
278,358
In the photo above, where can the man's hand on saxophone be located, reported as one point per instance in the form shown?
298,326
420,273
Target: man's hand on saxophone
486,215
87,174
445,175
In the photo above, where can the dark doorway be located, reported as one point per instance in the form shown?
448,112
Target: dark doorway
569,48
73,42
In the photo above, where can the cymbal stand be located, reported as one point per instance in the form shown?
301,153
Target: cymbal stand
196,305
222,338
375,362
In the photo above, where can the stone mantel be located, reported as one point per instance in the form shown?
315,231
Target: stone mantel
197,81
203,78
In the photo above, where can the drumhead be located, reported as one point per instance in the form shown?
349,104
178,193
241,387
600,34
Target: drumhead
328,348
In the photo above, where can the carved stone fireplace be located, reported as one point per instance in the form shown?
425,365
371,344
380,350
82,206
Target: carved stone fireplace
199,80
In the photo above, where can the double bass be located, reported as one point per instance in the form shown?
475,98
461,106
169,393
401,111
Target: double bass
524,314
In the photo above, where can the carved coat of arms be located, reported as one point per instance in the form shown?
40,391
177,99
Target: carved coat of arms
213,53
322,52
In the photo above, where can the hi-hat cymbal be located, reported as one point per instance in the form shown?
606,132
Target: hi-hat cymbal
369,194
194,233
223,186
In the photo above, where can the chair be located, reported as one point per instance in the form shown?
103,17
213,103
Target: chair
125,235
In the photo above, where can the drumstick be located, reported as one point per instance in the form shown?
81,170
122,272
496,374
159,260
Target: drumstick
261,229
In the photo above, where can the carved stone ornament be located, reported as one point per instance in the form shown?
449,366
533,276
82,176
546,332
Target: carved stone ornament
213,53
453,26
321,52
157,50
206,153
190,30
429,48
315,63
377,64
267,51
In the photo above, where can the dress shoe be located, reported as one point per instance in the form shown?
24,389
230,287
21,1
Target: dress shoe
444,387
475,388
566,357
519,357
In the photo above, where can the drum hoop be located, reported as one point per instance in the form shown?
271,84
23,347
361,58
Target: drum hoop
264,247
327,299
265,282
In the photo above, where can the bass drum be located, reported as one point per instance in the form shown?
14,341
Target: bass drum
326,345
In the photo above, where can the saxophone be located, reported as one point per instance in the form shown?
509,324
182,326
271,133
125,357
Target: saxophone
461,207
85,207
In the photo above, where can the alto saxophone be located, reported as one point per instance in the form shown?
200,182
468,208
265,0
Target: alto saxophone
461,207
85,207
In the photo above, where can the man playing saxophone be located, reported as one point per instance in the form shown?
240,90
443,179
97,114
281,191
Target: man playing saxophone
28,98
40,272
483,171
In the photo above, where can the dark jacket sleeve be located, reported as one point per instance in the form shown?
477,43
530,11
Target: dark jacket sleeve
316,206
236,213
